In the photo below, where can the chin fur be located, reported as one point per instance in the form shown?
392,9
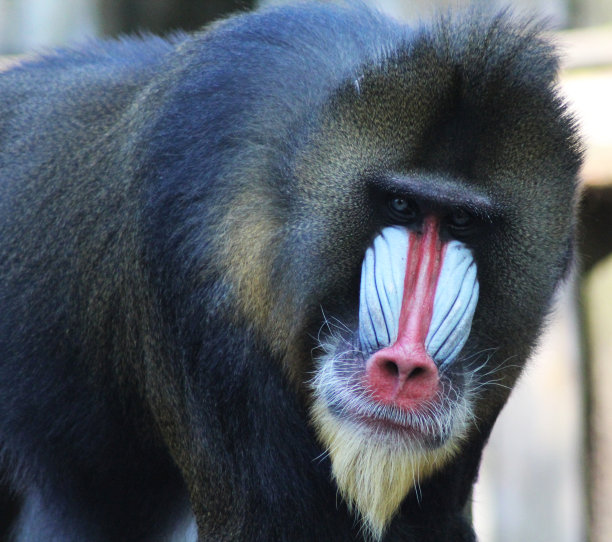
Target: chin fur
374,473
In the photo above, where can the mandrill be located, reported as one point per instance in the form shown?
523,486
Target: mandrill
274,280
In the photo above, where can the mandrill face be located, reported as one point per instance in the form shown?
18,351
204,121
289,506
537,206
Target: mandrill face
417,299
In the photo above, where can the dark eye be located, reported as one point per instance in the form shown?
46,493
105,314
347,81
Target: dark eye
403,209
460,222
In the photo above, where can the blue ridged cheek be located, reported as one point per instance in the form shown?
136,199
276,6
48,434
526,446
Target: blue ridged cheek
382,289
454,304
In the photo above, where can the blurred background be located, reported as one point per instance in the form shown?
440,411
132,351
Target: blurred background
547,472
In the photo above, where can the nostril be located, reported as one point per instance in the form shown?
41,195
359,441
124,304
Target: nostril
416,372
390,368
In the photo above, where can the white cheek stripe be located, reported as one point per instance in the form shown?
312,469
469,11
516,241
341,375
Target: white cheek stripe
382,288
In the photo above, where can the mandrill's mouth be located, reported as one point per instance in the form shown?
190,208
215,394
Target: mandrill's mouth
429,426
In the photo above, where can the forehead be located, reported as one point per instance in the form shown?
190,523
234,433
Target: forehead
424,110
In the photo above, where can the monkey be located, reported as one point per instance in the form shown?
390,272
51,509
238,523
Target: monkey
274,280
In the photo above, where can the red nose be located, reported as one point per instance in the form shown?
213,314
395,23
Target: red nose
402,377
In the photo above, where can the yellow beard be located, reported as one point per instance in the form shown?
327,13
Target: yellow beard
374,473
